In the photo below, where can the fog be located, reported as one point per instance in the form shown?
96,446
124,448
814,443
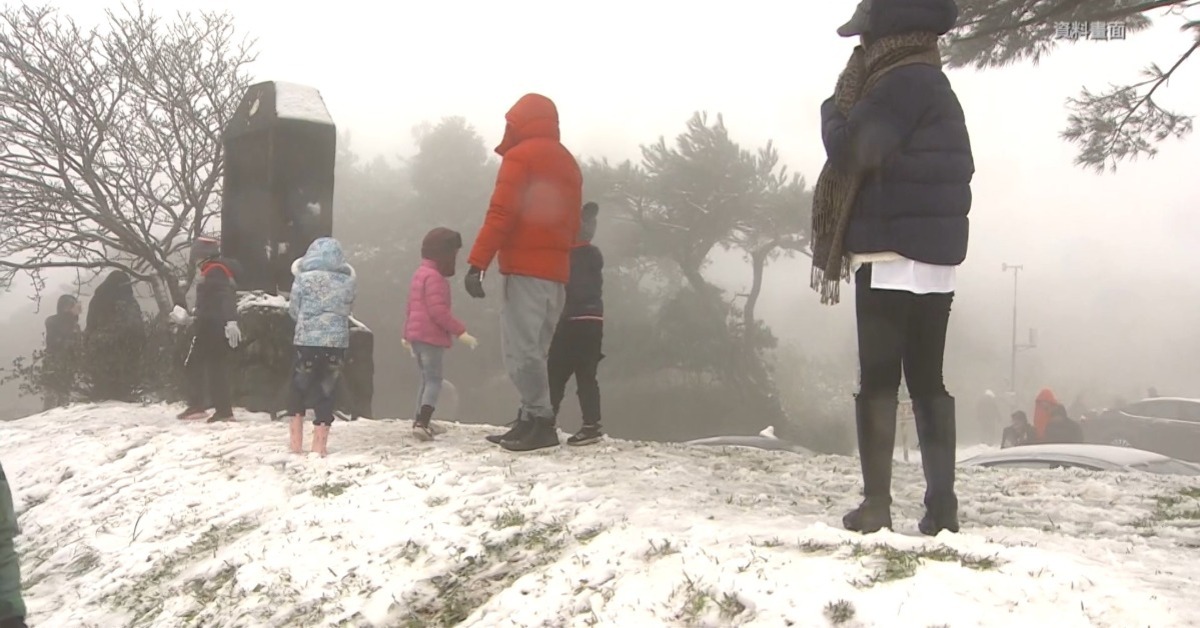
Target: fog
1108,279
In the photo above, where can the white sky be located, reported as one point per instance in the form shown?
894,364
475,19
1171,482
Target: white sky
624,72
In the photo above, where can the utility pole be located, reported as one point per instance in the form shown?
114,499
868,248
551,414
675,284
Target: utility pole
1012,386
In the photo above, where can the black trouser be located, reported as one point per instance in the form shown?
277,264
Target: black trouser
207,369
315,375
575,350
900,332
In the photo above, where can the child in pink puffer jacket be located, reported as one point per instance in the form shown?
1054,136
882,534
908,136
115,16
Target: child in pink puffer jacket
430,326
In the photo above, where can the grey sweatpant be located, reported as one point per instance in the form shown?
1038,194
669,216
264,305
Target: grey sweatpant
529,316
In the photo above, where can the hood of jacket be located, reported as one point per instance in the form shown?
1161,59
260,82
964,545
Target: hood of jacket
324,254
65,303
895,17
534,115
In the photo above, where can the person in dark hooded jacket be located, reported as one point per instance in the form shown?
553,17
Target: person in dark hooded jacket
114,337
216,333
1062,428
12,606
62,350
891,207
575,350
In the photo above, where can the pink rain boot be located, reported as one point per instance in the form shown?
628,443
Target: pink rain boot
296,434
321,440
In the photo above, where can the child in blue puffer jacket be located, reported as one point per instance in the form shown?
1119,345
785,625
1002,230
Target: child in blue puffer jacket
323,293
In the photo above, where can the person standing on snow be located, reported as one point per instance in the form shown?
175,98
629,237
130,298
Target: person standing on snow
321,300
114,338
892,204
62,351
1018,433
576,348
12,606
215,333
430,324
531,224
1043,412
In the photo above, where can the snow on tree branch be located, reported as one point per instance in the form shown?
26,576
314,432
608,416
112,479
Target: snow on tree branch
110,140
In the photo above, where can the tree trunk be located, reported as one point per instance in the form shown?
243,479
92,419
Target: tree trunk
758,261
162,295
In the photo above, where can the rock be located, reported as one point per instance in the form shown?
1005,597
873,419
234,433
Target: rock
262,374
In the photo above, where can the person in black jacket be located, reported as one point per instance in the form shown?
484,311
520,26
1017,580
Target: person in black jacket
216,333
891,207
1062,428
62,350
575,350
1019,433
115,332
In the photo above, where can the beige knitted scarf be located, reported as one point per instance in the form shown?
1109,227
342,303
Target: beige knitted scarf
836,190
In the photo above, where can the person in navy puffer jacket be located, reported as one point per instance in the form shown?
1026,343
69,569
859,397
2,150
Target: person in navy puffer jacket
891,206
322,297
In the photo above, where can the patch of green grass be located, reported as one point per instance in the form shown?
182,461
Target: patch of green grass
839,612
660,549
476,578
145,597
510,518
86,561
891,564
697,601
775,542
1183,505
328,489
589,534
434,502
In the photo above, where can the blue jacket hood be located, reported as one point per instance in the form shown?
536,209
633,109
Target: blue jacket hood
324,254
895,17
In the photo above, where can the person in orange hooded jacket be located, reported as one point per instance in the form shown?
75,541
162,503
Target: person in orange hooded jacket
1043,412
531,225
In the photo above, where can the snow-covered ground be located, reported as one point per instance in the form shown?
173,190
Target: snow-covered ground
133,519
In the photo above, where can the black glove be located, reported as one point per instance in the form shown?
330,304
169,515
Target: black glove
475,282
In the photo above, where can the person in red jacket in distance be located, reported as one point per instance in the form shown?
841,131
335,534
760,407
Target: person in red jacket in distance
531,225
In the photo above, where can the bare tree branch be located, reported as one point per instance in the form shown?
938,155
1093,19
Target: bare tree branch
110,140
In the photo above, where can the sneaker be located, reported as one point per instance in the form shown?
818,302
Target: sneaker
192,414
220,417
422,431
587,435
539,434
437,428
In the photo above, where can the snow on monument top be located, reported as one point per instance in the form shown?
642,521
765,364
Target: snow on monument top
300,102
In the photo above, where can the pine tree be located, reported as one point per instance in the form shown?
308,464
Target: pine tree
1120,123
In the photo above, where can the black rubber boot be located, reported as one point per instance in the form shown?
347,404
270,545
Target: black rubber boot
540,435
876,423
515,431
936,431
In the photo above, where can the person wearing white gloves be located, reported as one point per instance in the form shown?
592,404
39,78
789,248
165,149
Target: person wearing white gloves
215,333
430,324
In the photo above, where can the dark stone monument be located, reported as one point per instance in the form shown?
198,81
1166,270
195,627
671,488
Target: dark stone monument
280,149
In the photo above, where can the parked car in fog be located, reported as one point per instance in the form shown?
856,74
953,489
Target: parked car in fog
766,439
1091,457
1166,425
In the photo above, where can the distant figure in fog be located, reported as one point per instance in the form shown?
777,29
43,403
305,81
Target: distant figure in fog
114,338
1043,411
1018,433
1152,393
59,363
1062,428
